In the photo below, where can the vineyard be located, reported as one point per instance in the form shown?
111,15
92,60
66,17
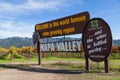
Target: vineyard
30,52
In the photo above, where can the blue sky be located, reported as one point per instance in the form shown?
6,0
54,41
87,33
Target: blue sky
18,17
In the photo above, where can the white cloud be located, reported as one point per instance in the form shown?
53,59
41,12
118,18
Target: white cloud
34,5
29,5
14,34
10,29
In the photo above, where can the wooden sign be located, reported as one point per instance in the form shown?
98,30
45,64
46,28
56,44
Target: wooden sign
97,40
64,26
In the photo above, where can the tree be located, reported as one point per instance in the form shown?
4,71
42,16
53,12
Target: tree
119,49
12,51
3,50
35,50
29,51
26,51
114,49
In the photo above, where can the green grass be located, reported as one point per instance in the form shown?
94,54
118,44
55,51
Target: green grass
43,59
18,56
67,63
18,60
106,78
6,57
117,61
55,58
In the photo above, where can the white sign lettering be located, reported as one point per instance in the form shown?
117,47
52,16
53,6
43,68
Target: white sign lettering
61,46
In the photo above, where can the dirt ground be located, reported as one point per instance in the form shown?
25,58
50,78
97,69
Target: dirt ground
36,72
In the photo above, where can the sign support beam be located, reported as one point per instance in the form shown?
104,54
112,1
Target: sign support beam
39,54
87,63
106,66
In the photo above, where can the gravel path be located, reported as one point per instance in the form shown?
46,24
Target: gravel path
35,72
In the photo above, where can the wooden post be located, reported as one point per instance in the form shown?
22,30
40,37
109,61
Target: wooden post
39,54
87,63
106,66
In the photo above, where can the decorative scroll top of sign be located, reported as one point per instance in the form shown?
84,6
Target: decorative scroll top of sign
64,26
97,40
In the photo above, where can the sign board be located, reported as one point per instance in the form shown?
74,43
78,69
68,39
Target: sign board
97,40
64,26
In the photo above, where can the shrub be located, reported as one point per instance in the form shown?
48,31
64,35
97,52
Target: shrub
6,56
18,56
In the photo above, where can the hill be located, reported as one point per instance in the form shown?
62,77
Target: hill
15,41
24,41
116,42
